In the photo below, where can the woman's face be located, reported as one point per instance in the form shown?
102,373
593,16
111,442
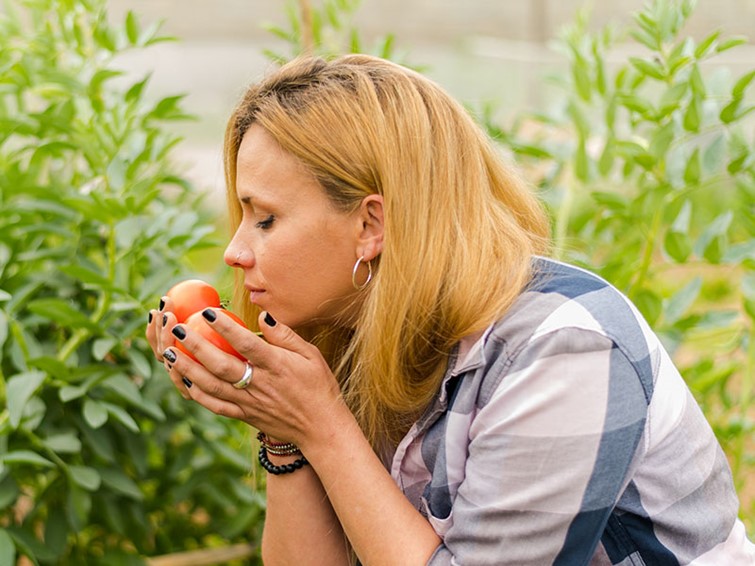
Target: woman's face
296,249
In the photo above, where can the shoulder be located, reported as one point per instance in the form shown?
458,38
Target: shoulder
564,297
569,311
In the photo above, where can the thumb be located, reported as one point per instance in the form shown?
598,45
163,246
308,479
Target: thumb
278,334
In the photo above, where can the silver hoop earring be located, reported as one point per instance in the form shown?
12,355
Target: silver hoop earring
357,286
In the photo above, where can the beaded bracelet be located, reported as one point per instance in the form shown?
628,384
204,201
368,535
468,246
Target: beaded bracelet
278,470
277,448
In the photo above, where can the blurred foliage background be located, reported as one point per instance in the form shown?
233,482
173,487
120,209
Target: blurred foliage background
646,161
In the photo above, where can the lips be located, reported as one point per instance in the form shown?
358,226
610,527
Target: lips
254,293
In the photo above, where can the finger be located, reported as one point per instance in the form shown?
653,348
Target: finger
248,344
165,337
221,364
181,382
201,385
151,334
278,334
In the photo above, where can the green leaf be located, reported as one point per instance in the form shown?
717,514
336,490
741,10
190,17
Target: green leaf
56,531
95,413
649,304
9,491
3,328
729,112
706,44
25,457
89,277
102,346
714,154
692,170
7,548
86,477
682,300
636,103
140,363
692,115
132,28
605,163
671,99
712,243
649,68
121,416
730,43
581,77
677,245
742,84
61,312
79,507
661,140
649,40
120,482
63,443
19,390
581,162
696,82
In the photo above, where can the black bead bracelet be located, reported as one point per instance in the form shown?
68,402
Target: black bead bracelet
278,470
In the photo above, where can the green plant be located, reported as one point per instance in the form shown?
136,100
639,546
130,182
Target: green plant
325,30
649,168
101,461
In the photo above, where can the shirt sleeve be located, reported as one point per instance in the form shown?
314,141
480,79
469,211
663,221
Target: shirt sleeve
549,455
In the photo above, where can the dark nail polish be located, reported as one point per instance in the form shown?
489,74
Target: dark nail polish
209,315
150,316
169,355
179,332
162,304
187,381
269,320
165,319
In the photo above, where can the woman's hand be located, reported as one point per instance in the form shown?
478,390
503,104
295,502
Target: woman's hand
292,393
160,338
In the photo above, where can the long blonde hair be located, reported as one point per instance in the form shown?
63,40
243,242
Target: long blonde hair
460,226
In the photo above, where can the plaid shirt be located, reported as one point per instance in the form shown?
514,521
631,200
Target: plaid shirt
564,434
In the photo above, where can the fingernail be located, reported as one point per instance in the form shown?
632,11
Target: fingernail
150,316
165,319
187,381
162,304
179,332
209,315
169,355
269,320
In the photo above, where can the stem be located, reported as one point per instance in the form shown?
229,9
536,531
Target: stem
103,304
744,404
562,221
307,39
647,254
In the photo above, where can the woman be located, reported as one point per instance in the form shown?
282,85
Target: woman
431,389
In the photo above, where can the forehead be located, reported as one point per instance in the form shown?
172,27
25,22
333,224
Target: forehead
264,170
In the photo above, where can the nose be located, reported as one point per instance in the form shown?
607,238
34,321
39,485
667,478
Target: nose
238,254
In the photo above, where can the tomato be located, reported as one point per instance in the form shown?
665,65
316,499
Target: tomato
198,324
191,296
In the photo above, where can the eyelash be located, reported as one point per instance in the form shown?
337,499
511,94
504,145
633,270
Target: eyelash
267,223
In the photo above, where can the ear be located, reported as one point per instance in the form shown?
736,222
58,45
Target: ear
370,237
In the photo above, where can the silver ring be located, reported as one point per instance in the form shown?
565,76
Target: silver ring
246,379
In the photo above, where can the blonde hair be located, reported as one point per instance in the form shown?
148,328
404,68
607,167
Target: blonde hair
460,227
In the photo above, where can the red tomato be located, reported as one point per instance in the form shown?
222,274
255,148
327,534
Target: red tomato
198,324
191,296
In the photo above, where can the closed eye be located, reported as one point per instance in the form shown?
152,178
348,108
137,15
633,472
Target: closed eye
266,224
